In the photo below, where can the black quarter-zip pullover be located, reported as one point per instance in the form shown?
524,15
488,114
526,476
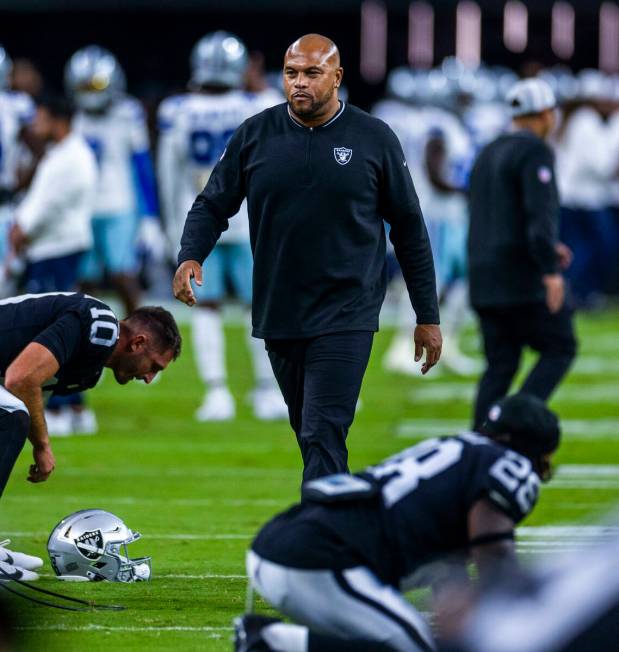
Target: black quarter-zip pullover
317,198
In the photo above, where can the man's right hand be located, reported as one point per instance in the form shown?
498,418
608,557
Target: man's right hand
182,281
555,291
44,463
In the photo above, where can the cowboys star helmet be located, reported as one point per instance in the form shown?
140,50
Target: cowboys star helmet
92,544
93,78
5,68
218,59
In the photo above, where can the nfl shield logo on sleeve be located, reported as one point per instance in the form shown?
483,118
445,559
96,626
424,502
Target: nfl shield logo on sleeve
342,154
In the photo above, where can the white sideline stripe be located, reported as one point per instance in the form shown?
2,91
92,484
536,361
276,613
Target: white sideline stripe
576,428
121,628
447,392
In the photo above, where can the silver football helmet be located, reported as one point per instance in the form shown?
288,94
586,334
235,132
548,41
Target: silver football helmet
5,68
92,544
93,78
218,59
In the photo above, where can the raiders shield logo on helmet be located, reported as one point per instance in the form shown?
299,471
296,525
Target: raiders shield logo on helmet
342,155
90,544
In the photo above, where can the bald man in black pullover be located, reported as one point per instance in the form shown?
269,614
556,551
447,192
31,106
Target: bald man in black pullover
320,177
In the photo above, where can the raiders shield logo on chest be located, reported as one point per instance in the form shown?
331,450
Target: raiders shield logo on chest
342,155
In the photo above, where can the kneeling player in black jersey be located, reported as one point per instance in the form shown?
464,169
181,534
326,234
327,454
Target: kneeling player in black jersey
336,563
59,343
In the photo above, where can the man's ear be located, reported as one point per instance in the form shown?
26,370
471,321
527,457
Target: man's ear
138,342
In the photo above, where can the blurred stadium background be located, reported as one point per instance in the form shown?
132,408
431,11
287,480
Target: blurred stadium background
198,492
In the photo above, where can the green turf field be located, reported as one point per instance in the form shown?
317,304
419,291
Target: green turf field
198,493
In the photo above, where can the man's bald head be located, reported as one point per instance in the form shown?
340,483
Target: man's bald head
315,46
312,75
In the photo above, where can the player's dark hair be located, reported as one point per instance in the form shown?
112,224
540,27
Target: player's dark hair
161,324
57,105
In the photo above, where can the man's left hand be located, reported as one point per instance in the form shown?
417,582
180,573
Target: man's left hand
17,238
428,337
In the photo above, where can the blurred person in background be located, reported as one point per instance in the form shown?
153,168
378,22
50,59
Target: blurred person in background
194,130
126,209
515,256
587,164
17,112
440,152
26,78
52,228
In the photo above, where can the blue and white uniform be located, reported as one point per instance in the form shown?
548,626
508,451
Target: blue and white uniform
16,111
194,131
126,186
446,213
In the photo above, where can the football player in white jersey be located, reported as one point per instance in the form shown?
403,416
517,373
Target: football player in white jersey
194,130
114,125
439,153
17,112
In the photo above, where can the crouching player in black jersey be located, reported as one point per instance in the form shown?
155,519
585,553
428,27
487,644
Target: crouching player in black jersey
59,343
336,563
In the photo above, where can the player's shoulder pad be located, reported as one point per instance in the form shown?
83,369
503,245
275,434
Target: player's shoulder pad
168,110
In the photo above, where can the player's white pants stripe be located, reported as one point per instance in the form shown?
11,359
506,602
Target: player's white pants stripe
10,403
352,604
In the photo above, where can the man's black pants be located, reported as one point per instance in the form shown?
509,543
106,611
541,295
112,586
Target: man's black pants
506,331
320,379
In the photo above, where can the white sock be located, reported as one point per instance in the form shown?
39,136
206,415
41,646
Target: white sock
209,345
263,373
285,638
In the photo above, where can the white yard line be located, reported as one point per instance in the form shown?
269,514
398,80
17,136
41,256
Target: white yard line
121,628
444,392
574,428
174,502
167,537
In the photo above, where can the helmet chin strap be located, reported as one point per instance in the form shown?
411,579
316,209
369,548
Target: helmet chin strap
87,604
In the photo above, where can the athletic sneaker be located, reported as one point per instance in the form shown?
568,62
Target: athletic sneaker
19,559
9,572
247,633
59,422
218,405
269,404
84,422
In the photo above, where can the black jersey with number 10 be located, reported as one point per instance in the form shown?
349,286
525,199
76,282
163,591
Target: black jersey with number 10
80,331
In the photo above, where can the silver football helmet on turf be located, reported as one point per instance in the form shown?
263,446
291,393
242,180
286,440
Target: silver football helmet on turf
92,544
5,68
218,59
93,78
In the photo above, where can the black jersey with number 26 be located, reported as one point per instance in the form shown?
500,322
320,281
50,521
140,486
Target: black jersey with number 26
403,513
80,331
